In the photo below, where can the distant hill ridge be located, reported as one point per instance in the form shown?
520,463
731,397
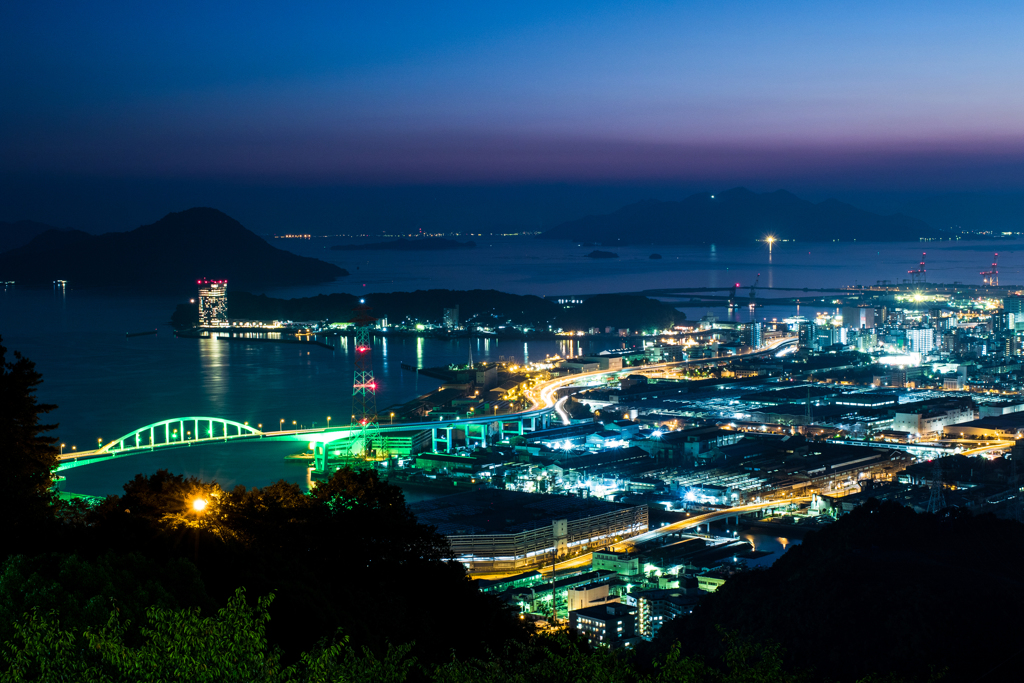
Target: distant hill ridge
739,216
20,233
163,256
419,244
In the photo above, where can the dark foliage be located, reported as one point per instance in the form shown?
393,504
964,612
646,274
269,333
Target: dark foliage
348,556
27,457
624,311
577,410
882,590
84,590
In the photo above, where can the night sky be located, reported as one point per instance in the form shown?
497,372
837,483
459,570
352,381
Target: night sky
191,101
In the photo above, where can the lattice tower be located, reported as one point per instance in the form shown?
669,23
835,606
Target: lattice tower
370,444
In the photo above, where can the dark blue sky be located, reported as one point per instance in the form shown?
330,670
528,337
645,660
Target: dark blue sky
813,96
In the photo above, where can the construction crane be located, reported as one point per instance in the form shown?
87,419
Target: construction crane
918,275
992,276
753,289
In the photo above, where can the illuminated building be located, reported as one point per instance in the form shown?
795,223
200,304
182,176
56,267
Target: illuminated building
857,317
499,531
612,625
1015,305
807,332
451,318
755,338
922,340
655,608
213,303
931,418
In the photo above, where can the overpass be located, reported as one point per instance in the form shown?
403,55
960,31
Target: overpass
631,544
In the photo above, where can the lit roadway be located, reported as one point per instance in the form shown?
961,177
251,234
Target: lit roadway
543,395
630,543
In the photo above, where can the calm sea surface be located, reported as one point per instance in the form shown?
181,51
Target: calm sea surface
107,385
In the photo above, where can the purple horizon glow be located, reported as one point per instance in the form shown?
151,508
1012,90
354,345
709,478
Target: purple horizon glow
924,95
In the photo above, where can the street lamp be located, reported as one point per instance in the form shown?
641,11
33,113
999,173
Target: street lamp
62,449
198,506
280,427
392,418
328,421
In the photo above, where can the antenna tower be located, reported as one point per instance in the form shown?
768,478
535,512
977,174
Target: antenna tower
920,273
991,277
369,445
936,501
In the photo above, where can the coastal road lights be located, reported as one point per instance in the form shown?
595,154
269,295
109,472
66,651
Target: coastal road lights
280,427
328,421
62,448
392,418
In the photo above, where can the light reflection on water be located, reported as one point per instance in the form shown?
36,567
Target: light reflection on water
106,384
768,542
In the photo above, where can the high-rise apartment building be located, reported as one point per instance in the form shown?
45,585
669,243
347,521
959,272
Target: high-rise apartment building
921,340
755,338
451,318
807,332
213,303
858,317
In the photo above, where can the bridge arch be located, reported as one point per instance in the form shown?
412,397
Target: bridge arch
178,431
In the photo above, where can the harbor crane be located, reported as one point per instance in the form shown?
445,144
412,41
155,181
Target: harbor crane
920,273
991,277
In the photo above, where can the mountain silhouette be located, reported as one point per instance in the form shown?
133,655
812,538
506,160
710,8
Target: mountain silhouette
20,233
168,255
739,216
